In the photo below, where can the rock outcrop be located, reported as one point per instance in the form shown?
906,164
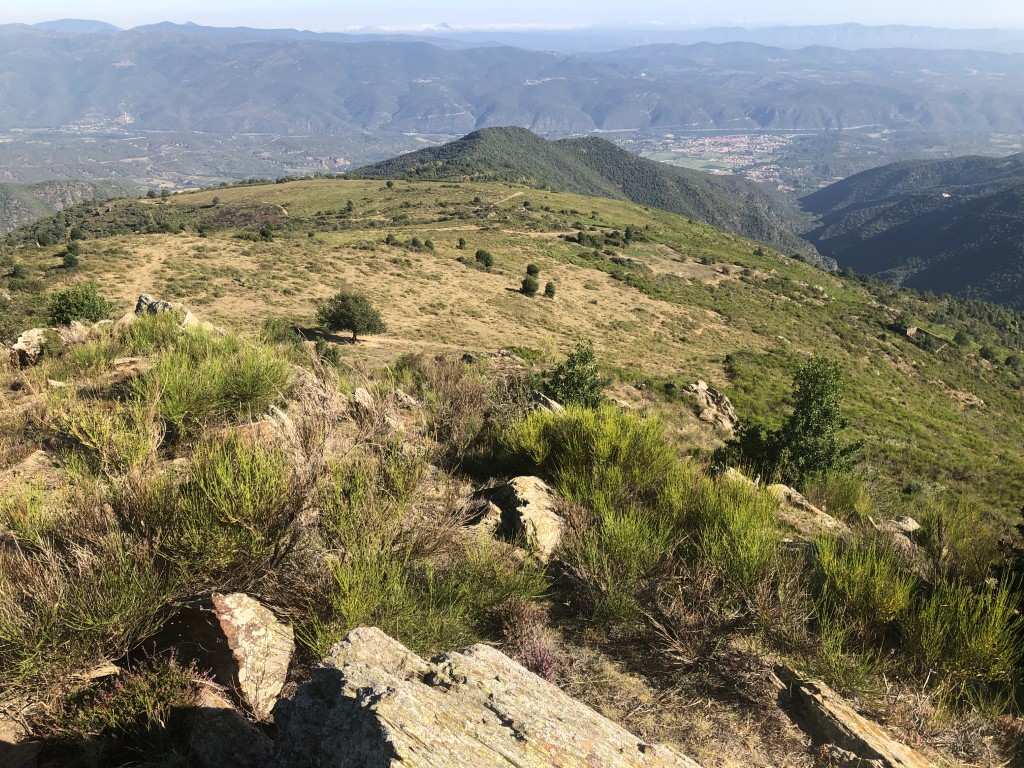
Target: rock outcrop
374,704
521,511
851,738
240,641
805,518
716,408
541,402
29,347
147,305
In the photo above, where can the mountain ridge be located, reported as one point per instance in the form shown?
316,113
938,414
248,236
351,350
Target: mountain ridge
596,167
949,226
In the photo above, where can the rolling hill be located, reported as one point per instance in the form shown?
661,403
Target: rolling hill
950,226
594,166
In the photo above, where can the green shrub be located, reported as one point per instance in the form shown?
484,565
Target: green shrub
957,538
69,260
606,459
114,437
231,521
549,290
842,494
863,581
620,559
484,259
80,302
532,270
576,380
279,331
529,286
735,531
206,378
147,334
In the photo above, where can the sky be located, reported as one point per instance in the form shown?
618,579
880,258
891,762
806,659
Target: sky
345,15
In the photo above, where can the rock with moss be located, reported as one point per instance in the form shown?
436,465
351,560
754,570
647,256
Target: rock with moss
374,703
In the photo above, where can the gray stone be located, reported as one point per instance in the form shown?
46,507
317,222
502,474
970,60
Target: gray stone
374,704
541,402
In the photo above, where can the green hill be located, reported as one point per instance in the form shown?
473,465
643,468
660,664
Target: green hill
594,166
950,226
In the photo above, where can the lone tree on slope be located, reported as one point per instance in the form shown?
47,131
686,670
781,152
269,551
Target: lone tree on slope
349,310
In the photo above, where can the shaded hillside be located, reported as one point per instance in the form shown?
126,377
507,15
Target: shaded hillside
952,226
23,203
593,166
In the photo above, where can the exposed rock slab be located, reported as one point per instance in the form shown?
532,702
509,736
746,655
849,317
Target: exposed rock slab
374,704
147,305
520,511
541,402
241,641
29,346
832,720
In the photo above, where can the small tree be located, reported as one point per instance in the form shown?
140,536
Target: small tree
532,270
485,259
462,244
576,381
530,286
549,290
349,310
808,443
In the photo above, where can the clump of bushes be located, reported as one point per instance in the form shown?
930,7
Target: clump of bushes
81,302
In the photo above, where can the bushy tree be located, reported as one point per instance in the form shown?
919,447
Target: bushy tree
484,259
532,270
80,302
809,442
530,286
549,290
350,310
576,381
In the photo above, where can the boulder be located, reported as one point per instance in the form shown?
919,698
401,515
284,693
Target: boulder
831,720
240,641
29,346
523,509
716,408
374,703
74,332
363,400
147,305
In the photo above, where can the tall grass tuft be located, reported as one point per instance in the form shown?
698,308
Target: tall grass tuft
112,437
865,581
605,459
206,378
967,642
231,521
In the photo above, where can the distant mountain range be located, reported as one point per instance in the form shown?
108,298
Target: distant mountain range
954,226
594,166
590,39
187,78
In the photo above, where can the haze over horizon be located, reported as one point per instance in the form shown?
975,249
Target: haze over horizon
406,15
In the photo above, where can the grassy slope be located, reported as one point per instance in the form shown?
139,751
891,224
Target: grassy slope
21,203
741,321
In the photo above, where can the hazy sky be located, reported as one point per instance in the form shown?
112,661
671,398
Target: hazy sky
403,14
